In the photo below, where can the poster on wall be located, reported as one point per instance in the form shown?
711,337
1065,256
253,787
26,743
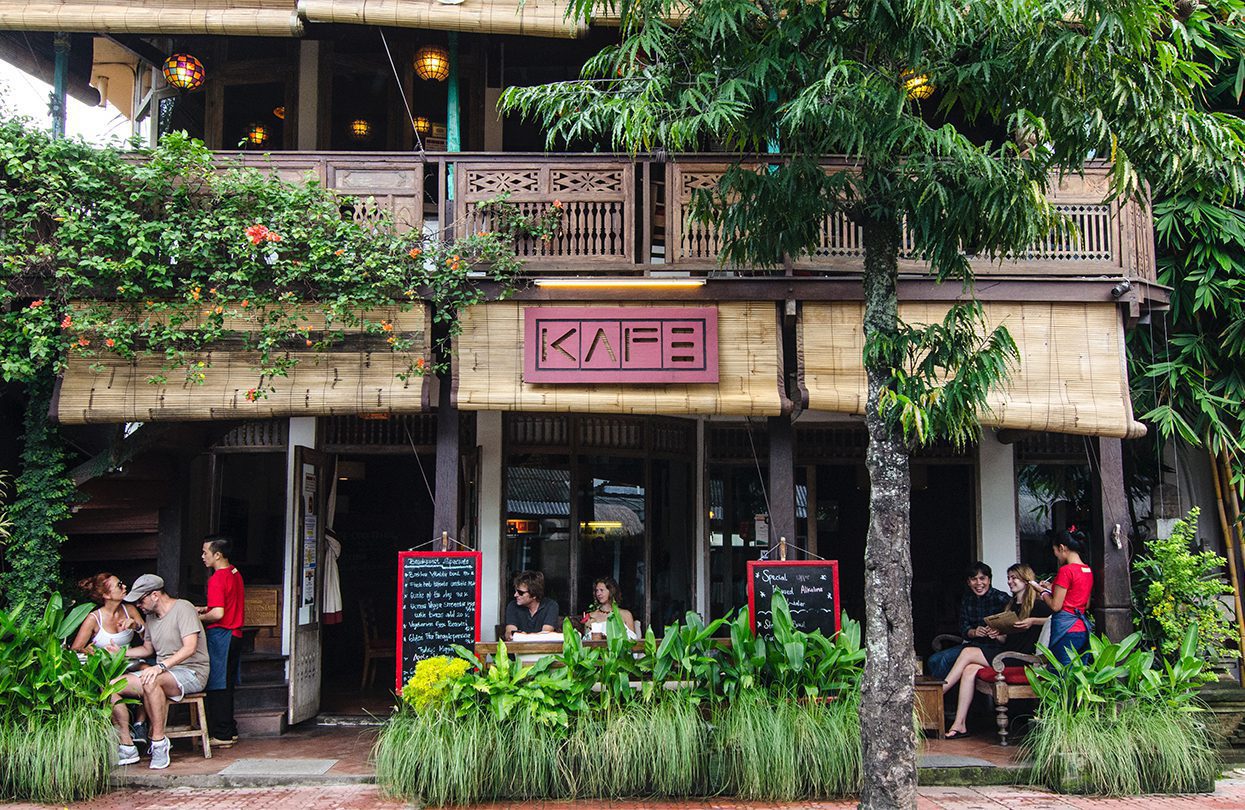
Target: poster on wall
309,521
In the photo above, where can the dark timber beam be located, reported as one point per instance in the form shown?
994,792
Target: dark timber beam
445,509
781,482
1110,536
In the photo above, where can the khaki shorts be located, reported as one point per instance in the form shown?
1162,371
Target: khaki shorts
188,680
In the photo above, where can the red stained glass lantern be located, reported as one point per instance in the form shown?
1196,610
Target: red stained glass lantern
256,133
183,71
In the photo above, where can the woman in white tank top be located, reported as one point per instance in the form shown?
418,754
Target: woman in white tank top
114,624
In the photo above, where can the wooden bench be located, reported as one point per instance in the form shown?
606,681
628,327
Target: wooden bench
1002,691
197,727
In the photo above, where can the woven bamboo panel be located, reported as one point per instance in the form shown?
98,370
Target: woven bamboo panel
544,18
109,388
488,369
1071,377
259,18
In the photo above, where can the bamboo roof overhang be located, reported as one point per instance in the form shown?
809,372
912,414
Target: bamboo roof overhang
358,376
488,368
286,18
1071,378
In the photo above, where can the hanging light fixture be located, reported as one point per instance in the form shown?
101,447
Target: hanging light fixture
279,112
422,125
184,72
917,86
360,129
432,62
256,133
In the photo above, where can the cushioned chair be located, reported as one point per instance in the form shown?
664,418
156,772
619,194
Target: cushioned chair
1004,681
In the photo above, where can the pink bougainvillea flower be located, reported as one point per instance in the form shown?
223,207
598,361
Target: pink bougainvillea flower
256,233
35,304
67,322
252,394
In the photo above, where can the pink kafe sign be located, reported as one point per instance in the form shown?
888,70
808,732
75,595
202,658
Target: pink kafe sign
620,345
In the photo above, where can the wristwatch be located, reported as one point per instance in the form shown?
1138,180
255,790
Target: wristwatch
163,667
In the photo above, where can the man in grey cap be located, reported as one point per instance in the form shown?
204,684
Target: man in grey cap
175,635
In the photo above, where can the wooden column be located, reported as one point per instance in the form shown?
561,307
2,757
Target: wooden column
1112,602
781,481
445,510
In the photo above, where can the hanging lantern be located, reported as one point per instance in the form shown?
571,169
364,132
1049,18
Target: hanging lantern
432,62
360,129
279,112
256,133
422,125
917,86
184,72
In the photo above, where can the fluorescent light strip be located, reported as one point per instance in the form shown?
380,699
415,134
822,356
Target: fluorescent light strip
620,283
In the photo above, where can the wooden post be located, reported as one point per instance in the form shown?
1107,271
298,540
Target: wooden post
1231,548
782,548
1110,536
445,509
781,480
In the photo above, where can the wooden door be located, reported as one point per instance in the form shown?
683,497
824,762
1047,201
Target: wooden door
310,486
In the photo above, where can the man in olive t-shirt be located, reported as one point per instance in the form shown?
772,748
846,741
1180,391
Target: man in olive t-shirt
176,637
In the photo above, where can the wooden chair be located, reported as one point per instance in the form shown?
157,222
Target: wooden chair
1003,684
196,727
375,648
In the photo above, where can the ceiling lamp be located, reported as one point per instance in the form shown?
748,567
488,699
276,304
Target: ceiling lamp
917,86
184,72
422,125
432,62
256,133
360,129
279,112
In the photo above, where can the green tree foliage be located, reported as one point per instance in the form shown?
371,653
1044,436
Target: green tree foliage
1027,90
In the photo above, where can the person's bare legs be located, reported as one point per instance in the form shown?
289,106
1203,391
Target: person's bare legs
156,696
967,656
968,688
121,710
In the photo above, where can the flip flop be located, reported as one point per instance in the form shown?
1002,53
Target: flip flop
957,735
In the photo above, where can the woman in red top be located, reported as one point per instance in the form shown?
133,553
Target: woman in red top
1068,596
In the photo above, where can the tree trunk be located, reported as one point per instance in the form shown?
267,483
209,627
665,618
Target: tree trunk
888,738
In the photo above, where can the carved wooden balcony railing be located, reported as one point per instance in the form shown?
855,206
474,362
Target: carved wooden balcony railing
631,216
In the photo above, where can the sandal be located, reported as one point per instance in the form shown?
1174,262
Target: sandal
957,735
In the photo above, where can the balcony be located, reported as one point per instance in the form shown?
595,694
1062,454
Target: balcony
625,216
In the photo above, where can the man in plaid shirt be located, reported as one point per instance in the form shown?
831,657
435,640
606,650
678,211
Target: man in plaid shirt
979,602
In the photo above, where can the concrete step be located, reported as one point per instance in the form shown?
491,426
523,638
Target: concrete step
261,723
261,667
261,696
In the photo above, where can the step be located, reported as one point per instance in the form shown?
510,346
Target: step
263,667
261,696
262,723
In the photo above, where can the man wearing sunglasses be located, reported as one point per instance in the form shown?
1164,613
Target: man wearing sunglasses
530,611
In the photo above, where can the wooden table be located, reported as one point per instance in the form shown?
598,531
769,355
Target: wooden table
929,705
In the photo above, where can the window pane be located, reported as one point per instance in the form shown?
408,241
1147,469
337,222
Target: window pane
611,529
538,523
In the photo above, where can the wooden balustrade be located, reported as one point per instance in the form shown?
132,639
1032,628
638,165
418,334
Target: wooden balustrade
630,216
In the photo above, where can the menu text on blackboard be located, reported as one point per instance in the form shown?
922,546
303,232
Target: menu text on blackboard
811,588
438,605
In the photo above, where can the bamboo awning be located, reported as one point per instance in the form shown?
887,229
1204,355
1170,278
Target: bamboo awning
286,18
1071,378
257,18
355,378
488,369
541,18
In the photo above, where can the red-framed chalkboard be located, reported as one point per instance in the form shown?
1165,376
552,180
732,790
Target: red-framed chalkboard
438,605
811,588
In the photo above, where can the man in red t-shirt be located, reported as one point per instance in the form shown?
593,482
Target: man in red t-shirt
222,615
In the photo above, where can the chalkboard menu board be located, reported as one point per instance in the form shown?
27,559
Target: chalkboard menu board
438,605
810,586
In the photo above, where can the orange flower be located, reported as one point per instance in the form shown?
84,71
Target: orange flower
557,204
218,310
309,343
212,291
482,233
38,302
414,253
273,236
338,252
83,342
387,326
419,363
66,322
149,303
245,303
110,343
391,340
252,395
256,233
194,293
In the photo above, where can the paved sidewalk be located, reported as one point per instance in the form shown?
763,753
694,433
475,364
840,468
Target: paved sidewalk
1230,793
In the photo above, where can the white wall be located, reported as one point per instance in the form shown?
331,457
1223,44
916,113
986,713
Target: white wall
489,440
996,512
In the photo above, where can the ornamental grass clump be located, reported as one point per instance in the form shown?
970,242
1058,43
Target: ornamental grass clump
56,737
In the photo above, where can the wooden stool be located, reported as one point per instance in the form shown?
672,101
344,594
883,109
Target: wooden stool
929,709
197,727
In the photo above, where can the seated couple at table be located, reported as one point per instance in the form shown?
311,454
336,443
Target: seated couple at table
532,612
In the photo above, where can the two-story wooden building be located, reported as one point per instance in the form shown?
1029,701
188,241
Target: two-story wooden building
637,411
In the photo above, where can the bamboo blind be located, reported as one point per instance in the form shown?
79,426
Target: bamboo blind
488,369
1071,377
545,18
259,18
110,388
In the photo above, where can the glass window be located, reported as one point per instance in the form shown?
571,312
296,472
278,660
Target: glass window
738,532
612,510
538,523
674,544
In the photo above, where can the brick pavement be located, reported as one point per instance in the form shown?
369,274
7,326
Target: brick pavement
1230,793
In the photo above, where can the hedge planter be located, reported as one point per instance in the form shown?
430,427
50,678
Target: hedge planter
63,758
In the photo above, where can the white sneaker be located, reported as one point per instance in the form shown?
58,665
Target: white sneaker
160,754
126,754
